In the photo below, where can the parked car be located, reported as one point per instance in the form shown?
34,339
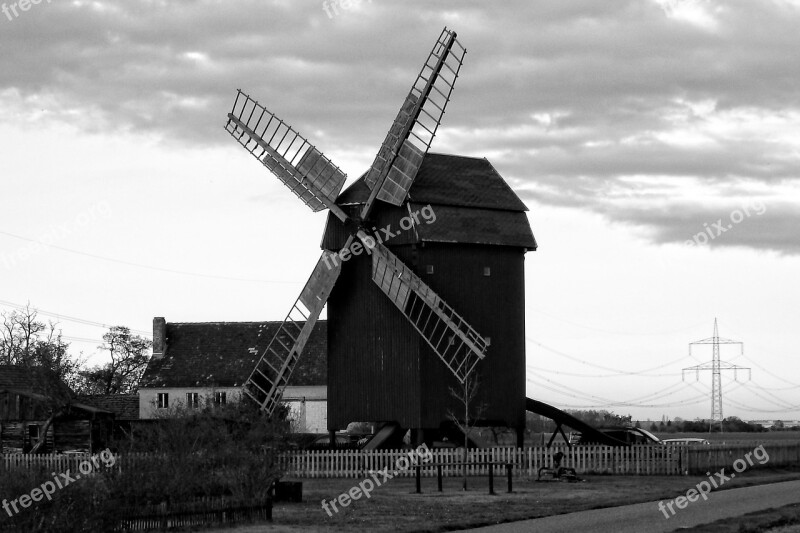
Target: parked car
628,435
688,441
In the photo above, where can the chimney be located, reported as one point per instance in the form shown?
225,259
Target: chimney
159,337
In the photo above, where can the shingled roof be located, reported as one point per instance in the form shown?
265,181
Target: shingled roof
223,354
124,406
32,379
472,202
450,180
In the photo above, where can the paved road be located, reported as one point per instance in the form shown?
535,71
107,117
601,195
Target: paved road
647,516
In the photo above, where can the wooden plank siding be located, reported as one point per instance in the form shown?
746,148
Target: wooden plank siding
14,435
380,369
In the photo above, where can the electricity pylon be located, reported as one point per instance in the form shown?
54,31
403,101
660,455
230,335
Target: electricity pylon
716,366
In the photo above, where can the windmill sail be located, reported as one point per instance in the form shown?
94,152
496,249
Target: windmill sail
273,370
299,165
451,337
317,182
414,128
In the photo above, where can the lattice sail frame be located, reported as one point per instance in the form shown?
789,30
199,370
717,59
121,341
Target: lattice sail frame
412,132
274,368
310,175
456,343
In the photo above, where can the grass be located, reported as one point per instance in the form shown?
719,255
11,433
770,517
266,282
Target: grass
394,506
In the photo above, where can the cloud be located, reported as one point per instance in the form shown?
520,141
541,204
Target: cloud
575,102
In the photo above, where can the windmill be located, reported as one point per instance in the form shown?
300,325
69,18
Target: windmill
314,179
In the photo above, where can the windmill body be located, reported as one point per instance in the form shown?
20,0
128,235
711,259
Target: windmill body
472,255
402,316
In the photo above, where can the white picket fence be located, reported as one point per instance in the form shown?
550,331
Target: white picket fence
55,463
635,460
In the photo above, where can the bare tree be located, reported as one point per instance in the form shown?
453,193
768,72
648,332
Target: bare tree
27,341
129,356
466,395
20,334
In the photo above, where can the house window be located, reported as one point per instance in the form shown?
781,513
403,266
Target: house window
487,271
220,398
192,400
163,400
429,269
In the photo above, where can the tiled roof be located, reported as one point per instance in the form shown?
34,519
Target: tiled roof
451,180
124,406
223,354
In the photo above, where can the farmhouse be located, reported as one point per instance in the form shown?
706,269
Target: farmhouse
195,363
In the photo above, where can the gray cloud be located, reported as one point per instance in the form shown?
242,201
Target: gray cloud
568,99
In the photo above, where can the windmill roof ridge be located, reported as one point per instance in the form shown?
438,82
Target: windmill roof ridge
456,180
431,152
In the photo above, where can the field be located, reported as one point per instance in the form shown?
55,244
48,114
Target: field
537,439
395,507
737,438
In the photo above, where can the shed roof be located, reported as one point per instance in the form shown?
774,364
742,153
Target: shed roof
223,354
33,379
124,406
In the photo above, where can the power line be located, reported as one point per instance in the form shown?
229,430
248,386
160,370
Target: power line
779,403
577,375
750,409
596,405
148,267
68,318
738,385
794,385
601,367
650,396
605,401
630,333
767,392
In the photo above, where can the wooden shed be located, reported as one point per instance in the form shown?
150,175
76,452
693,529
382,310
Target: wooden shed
27,398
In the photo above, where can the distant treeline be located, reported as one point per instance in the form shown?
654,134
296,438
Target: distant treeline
538,423
600,419
729,425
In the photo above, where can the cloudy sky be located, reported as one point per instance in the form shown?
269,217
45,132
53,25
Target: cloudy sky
656,143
